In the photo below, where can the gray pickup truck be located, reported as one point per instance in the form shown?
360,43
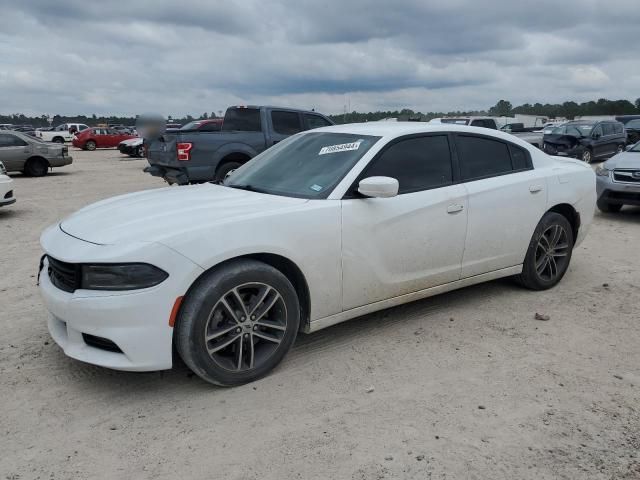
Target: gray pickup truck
184,157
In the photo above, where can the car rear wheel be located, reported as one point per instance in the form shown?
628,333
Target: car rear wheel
36,167
90,145
607,207
549,253
225,169
586,156
237,323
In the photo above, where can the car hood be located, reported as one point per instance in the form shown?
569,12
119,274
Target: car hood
624,160
157,215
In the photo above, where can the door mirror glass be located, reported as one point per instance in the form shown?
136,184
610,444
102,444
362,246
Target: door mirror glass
378,187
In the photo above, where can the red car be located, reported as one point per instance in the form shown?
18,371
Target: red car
99,137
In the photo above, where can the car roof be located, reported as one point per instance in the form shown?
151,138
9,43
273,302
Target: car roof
398,129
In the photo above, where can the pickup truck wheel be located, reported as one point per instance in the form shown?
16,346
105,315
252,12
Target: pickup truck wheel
36,167
237,323
224,169
57,140
607,207
549,253
586,156
90,145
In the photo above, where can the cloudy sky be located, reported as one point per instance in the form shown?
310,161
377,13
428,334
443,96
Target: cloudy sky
189,56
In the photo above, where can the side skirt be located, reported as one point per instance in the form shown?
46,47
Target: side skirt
410,297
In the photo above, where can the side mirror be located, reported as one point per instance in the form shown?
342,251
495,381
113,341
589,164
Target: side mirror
378,187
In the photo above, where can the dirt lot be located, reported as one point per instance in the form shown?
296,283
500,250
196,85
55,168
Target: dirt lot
465,385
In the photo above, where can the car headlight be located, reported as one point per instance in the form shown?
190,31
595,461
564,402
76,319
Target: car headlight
126,276
602,171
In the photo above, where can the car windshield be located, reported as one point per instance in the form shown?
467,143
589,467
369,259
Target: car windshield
309,165
583,128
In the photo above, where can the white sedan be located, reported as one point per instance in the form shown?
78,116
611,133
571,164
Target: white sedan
6,188
325,226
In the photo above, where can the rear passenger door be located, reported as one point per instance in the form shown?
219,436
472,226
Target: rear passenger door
507,198
410,242
284,124
13,151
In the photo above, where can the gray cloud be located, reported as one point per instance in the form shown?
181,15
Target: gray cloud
197,55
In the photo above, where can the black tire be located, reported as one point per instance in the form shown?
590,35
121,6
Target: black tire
237,352
57,140
586,155
36,167
538,272
607,207
620,149
224,169
90,145
140,151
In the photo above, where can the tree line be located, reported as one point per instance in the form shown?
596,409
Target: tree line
567,110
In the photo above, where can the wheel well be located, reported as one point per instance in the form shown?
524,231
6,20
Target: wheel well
289,270
234,157
570,213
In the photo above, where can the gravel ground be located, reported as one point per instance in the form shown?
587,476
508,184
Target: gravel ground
464,385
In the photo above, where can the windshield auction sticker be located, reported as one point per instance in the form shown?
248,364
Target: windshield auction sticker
344,147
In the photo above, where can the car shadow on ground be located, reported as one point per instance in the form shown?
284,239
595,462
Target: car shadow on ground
628,214
308,348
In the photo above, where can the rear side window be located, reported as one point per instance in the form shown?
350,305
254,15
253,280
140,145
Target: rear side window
242,120
82,127
482,157
618,127
7,140
519,158
417,163
285,123
315,121
608,128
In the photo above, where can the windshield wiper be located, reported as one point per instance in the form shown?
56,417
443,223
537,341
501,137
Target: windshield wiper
247,187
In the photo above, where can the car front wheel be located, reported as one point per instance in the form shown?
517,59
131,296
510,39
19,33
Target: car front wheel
586,156
549,253
237,323
90,145
607,207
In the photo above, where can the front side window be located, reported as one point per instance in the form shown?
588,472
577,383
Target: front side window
303,166
482,157
597,132
417,163
285,123
608,128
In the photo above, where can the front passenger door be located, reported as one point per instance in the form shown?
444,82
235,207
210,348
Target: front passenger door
410,242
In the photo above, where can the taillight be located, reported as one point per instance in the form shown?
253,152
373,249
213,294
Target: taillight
184,151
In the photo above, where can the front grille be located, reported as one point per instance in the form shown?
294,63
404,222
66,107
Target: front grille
626,176
101,343
65,276
9,194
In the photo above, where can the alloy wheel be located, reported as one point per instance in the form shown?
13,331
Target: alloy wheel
586,156
552,252
245,327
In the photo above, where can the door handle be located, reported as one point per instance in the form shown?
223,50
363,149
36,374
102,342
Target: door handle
455,208
535,188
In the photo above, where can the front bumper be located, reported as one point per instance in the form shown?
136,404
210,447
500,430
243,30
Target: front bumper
136,321
6,191
617,192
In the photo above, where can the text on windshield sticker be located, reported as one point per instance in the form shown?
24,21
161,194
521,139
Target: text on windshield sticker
344,147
